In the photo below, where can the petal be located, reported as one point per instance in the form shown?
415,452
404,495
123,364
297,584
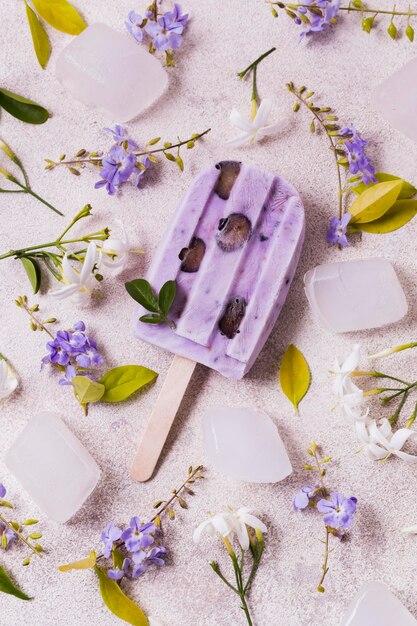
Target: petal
375,453
271,129
65,292
410,530
89,262
262,113
352,361
221,524
254,522
69,273
240,122
199,530
400,437
242,535
239,141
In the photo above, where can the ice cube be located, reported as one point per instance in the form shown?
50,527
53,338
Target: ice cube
376,605
108,70
53,466
245,444
355,295
396,99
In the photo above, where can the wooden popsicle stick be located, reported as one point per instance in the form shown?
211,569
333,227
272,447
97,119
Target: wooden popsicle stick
162,417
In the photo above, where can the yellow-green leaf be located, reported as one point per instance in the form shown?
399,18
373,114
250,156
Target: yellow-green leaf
294,375
87,390
39,37
33,272
87,563
407,190
375,201
121,382
118,603
397,216
61,15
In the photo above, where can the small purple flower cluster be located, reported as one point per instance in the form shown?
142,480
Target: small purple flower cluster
337,231
315,21
359,163
136,543
338,511
165,31
7,535
121,162
74,352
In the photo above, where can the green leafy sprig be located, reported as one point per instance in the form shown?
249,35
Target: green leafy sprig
116,385
59,14
294,375
52,259
111,592
380,207
395,391
171,151
369,15
158,305
23,533
24,185
21,108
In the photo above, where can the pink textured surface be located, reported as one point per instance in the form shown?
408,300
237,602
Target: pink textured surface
222,39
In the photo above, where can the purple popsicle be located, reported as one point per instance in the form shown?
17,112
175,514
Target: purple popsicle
232,247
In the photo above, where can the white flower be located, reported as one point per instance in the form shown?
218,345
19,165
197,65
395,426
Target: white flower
410,530
8,380
78,284
230,524
379,442
255,128
351,398
116,251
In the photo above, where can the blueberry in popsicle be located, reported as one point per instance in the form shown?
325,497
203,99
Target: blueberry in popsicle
232,248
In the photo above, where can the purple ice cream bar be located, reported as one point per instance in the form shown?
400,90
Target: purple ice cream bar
232,247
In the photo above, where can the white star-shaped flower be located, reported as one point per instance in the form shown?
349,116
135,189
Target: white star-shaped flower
256,128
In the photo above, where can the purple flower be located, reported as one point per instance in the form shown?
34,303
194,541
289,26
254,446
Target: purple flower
134,25
2,490
318,23
138,536
70,372
301,500
359,163
109,535
338,511
89,357
156,556
7,535
117,167
119,135
140,564
336,233
115,573
167,30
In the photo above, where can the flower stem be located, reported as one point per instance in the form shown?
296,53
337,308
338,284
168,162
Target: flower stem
331,141
100,235
320,472
19,534
35,195
177,492
98,159
24,306
325,568
293,6
255,63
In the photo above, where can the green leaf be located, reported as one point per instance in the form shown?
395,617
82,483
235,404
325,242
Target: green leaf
166,296
87,390
141,291
30,522
407,190
121,382
118,603
33,272
39,37
87,563
118,558
22,108
294,375
7,586
397,216
375,201
152,318
61,15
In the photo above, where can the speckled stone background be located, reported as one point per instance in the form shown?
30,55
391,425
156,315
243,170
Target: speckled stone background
222,38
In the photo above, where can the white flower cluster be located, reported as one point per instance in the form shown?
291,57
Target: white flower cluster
378,440
231,524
